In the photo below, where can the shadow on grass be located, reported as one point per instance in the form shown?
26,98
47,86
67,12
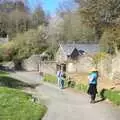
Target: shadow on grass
102,94
7,81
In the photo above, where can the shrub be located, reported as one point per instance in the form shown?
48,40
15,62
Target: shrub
98,57
7,51
71,84
110,41
24,45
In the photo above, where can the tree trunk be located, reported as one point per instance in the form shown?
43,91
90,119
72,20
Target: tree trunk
98,33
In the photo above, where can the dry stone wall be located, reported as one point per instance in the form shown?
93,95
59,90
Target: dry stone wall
31,64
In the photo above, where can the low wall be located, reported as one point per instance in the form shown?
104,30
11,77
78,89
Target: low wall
32,63
48,67
109,67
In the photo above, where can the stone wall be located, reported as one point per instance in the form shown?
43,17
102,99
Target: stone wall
31,64
105,67
34,63
109,67
48,67
116,68
84,64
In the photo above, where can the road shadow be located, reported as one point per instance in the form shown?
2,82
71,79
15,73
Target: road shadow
100,100
6,81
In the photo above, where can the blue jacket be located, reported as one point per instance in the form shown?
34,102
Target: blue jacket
93,78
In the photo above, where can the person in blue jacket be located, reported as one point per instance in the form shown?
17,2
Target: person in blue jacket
92,90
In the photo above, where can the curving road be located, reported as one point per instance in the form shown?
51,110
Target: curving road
68,105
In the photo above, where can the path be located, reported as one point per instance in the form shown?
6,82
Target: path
66,105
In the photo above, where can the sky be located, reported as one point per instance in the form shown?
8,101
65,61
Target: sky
48,5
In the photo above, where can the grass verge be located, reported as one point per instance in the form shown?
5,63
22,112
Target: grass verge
3,73
113,96
50,78
15,104
81,87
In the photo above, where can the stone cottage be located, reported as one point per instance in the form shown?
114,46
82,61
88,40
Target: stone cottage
70,55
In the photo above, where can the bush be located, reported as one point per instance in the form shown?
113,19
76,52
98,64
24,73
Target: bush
110,40
8,51
24,45
71,84
31,42
98,57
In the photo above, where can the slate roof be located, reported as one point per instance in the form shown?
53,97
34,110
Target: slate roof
88,48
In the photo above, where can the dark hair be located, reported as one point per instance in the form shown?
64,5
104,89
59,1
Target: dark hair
64,75
96,72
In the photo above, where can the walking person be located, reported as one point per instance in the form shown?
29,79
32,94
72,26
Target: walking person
59,74
92,90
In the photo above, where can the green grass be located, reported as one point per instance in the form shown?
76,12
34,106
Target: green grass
50,79
3,73
113,96
16,105
81,87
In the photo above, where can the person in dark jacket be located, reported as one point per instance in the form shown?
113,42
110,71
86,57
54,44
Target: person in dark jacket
92,90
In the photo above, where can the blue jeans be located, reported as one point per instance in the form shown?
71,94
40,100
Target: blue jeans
58,80
62,84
